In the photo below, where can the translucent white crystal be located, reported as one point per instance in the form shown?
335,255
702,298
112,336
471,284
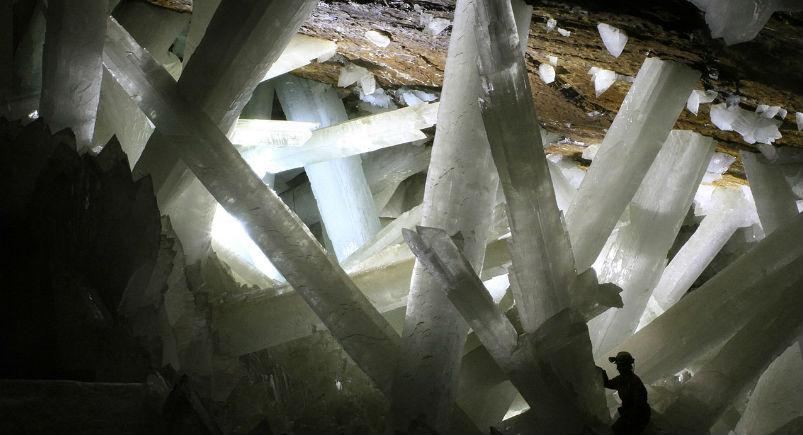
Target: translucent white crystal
727,212
698,97
459,194
773,196
564,32
351,74
718,165
379,39
613,38
227,229
782,113
703,319
71,67
436,26
777,397
546,72
550,24
799,120
752,127
301,51
553,60
640,128
603,79
340,188
590,151
740,20
368,84
279,146
767,111
635,254
497,287
378,101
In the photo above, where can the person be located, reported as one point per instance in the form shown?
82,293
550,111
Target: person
634,414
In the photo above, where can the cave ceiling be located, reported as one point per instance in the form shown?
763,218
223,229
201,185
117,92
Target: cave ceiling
767,70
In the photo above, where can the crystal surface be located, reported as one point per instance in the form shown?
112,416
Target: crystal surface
71,67
351,74
546,72
361,330
777,397
740,20
441,258
640,128
301,51
725,217
773,196
635,254
740,361
282,146
542,257
603,79
711,314
220,77
753,127
613,38
799,120
379,39
341,190
698,97
459,196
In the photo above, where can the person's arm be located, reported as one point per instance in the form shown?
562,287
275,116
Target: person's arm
605,381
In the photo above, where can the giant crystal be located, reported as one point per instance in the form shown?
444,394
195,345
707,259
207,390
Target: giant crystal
238,48
155,29
534,362
365,335
459,195
641,126
740,20
708,316
340,188
696,254
635,254
742,359
777,397
283,150
542,257
71,66
775,202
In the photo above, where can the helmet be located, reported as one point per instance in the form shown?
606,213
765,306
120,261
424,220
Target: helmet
622,358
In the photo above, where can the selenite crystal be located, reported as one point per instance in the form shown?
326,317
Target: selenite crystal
459,195
740,20
635,254
753,127
546,72
740,361
775,202
698,97
613,38
300,51
340,188
71,67
726,216
361,330
708,316
777,397
281,146
640,128
603,79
